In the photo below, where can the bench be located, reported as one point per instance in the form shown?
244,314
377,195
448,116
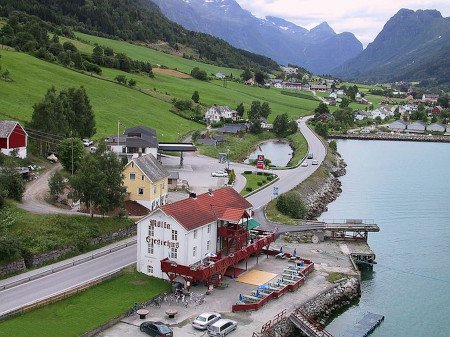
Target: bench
260,294
291,277
251,299
280,256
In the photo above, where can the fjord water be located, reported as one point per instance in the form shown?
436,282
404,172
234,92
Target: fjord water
405,188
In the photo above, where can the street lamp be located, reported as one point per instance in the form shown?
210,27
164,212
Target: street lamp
228,159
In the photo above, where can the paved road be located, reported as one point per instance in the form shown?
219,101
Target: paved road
291,178
41,288
48,285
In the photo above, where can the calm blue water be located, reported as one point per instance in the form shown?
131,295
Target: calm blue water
279,153
405,188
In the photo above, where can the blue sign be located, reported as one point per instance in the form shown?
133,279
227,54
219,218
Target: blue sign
275,191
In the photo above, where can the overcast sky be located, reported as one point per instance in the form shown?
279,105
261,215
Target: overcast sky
364,18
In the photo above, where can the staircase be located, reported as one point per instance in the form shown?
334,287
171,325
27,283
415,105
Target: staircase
307,325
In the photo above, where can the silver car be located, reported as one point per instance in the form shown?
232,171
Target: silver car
222,327
203,321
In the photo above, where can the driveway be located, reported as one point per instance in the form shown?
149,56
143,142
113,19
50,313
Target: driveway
36,191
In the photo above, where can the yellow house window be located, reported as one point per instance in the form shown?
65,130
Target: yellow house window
154,189
143,177
132,176
140,191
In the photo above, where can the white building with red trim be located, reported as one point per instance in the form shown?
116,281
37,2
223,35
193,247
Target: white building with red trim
177,239
13,139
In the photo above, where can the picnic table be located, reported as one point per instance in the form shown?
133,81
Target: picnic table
171,313
142,313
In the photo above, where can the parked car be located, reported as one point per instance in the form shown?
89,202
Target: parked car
203,321
87,142
219,174
156,329
315,162
310,155
304,164
222,327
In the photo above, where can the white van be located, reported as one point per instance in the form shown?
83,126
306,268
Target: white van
222,327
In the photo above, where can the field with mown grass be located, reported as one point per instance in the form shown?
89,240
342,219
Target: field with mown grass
110,101
85,311
39,233
155,57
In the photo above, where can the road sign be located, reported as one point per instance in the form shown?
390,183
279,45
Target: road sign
260,162
275,191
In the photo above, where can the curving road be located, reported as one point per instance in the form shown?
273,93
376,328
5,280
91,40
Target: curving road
27,293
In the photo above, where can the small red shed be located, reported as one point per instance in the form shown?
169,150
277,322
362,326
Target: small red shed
13,137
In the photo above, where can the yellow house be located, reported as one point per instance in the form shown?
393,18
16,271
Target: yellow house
146,181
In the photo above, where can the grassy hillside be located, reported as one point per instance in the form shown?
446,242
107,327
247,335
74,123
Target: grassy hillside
111,102
155,57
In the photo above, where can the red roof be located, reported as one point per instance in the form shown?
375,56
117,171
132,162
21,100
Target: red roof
224,203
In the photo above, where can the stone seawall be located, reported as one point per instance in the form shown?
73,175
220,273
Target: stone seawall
394,137
317,202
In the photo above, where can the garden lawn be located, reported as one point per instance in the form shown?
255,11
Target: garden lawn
167,87
111,102
85,311
40,233
155,57
252,182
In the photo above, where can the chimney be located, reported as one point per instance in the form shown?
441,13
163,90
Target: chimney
140,152
193,195
210,192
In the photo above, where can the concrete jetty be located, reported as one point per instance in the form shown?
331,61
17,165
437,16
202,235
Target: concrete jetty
365,326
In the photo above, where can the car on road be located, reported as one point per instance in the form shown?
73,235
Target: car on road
304,164
156,329
219,174
315,162
222,327
203,321
87,142
310,155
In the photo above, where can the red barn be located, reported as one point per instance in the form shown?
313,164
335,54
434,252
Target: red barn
13,137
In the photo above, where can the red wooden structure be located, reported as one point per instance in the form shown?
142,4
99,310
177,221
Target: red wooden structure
235,247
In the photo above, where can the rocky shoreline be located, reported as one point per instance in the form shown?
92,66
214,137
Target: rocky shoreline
317,202
322,307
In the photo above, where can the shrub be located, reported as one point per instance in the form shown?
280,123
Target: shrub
249,189
269,178
264,181
248,172
291,205
259,173
260,183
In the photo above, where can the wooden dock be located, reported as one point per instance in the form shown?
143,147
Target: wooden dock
365,326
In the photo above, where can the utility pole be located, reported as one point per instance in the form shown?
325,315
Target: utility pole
71,141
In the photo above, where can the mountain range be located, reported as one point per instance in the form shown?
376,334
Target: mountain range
413,46
319,50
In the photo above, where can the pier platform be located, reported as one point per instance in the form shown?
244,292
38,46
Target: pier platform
365,326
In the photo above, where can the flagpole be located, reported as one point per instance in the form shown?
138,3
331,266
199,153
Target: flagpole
118,123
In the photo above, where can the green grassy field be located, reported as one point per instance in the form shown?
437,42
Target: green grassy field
214,92
111,102
156,57
80,313
253,180
41,233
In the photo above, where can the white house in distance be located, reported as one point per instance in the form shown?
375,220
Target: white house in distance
398,125
430,98
218,113
134,141
13,139
186,232
417,126
220,76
